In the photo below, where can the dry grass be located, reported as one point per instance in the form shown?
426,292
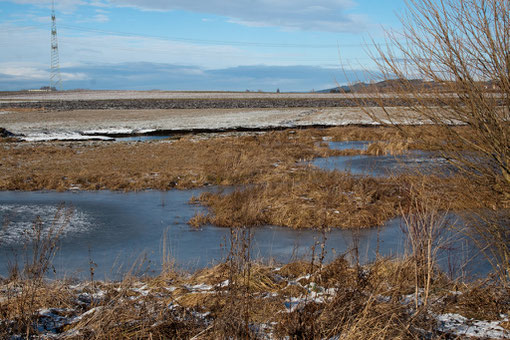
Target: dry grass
278,187
181,164
184,163
312,198
336,300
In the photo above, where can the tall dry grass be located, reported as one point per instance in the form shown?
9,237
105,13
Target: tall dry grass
25,290
243,298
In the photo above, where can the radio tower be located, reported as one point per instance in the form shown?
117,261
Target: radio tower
55,78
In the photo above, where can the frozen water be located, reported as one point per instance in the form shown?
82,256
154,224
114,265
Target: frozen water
115,229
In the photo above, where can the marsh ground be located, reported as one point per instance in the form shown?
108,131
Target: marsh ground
276,185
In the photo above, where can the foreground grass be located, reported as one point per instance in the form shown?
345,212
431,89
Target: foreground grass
299,300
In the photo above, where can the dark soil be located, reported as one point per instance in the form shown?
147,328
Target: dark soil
130,104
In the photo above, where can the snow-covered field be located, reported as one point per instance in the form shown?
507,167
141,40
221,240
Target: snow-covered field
37,126
73,115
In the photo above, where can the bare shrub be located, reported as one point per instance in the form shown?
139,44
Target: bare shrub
461,52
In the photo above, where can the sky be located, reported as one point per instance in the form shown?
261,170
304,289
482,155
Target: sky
291,45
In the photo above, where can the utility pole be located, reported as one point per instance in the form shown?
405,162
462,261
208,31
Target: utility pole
55,77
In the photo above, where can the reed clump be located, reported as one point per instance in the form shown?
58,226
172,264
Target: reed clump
307,199
314,198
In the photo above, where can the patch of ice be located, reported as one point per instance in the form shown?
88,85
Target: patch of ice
142,290
224,284
462,326
411,298
61,136
51,320
21,220
112,131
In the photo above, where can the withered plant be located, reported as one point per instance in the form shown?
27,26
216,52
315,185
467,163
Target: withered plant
27,290
460,50
425,227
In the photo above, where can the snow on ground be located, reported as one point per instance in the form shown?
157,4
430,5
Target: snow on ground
63,136
88,296
105,95
74,125
116,131
464,327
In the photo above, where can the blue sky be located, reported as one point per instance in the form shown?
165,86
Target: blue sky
294,45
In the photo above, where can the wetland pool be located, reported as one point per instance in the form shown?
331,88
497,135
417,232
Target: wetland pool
410,162
115,229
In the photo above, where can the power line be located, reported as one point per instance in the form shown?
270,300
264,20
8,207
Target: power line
203,41
217,42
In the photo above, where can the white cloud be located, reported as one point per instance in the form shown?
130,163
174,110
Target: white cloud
92,48
25,73
100,18
99,4
319,15
63,5
66,76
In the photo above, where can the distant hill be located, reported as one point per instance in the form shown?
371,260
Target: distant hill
382,86
392,85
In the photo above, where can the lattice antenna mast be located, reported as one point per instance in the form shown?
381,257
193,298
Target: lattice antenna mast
55,77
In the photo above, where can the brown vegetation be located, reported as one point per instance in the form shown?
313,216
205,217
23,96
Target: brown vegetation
314,198
277,186
463,48
181,164
252,301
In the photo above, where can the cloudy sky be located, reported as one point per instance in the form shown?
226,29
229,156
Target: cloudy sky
294,45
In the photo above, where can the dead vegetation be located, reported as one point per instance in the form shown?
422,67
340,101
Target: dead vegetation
184,163
313,198
246,299
275,184
402,298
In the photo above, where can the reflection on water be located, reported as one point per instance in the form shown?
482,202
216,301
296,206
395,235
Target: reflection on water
412,161
346,145
116,228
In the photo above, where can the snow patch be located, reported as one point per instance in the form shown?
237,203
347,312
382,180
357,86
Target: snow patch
462,326
61,136
113,131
